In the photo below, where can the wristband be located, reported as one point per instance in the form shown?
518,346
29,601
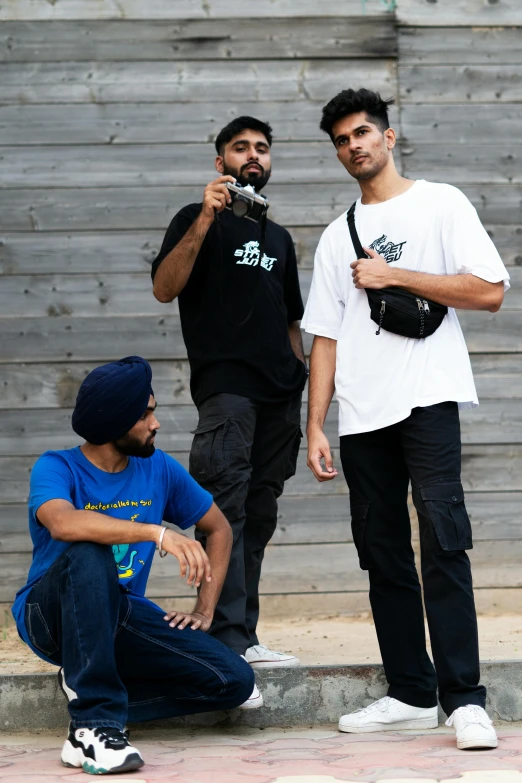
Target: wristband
162,552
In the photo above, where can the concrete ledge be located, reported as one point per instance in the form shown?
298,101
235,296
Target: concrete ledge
293,697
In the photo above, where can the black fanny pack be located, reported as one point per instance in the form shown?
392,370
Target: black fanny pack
397,310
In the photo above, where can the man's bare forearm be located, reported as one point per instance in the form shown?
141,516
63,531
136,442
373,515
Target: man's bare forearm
321,383
296,340
79,525
219,546
466,292
175,269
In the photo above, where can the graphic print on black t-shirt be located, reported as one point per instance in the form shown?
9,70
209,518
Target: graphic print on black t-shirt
249,254
235,311
387,249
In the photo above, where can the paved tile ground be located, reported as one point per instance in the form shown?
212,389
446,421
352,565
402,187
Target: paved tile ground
280,756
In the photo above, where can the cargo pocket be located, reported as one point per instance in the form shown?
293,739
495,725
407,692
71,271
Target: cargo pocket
445,507
359,514
291,465
38,630
208,456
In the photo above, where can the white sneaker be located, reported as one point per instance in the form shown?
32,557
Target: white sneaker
261,657
253,702
100,751
69,694
474,727
388,714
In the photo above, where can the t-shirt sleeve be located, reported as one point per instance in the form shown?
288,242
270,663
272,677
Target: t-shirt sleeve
179,226
325,307
468,248
187,502
51,479
292,289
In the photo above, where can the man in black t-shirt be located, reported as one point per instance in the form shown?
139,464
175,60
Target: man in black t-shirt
240,322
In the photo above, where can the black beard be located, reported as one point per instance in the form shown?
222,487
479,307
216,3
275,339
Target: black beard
253,178
130,447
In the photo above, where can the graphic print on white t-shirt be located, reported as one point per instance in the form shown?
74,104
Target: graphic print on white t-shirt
388,250
430,228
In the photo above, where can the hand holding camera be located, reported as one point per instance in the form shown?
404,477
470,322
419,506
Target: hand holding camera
226,193
216,196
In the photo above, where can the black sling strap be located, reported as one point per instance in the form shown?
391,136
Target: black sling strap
350,217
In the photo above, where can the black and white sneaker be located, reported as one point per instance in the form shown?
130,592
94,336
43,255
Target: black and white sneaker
100,751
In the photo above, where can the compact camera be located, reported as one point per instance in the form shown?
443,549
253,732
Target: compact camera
246,202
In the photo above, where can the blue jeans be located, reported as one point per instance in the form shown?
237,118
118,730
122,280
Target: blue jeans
119,655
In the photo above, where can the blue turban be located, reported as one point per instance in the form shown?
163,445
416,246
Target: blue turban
111,399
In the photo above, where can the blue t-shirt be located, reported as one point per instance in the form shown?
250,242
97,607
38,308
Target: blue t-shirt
148,491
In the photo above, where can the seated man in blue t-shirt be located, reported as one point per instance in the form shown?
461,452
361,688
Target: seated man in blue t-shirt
95,514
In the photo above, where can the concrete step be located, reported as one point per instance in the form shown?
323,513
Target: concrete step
293,697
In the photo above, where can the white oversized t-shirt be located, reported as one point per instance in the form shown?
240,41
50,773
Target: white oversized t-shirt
379,379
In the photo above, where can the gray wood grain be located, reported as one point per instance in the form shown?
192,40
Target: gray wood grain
180,9
475,163
491,332
459,12
101,339
458,124
461,83
493,468
126,251
121,123
25,386
91,339
133,251
205,81
67,209
43,386
83,166
82,295
157,164
495,516
198,39
497,376
31,432
33,386
299,569
319,520
455,45
123,294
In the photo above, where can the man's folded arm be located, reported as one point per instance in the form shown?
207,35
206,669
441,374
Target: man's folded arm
67,523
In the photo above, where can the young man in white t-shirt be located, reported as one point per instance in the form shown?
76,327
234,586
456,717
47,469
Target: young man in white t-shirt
398,416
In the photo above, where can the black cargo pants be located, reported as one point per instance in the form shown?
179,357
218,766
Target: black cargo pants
378,465
242,453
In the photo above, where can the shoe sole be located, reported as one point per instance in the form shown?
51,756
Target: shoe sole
131,764
274,665
476,744
75,759
252,704
419,723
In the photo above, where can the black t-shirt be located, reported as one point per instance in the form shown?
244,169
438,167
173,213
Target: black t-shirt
235,312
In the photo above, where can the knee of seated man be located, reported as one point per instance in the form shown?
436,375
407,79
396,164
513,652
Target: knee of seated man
234,683
89,554
241,682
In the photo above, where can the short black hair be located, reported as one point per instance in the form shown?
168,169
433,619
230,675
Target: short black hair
353,101
237,126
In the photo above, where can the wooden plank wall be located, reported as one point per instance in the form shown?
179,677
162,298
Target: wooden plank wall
107,114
